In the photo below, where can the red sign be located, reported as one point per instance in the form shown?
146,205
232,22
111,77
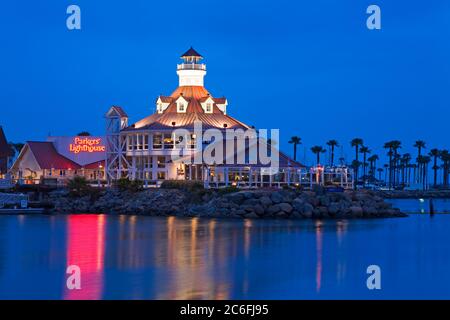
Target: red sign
86,145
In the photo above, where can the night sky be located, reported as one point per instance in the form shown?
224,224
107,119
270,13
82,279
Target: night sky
309,68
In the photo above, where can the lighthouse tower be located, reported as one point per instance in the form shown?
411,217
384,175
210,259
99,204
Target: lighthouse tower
191,72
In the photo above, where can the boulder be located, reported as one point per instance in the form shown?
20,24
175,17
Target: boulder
251,215
298,204
276,197
265,201
273,209
259,209
356,211
286,207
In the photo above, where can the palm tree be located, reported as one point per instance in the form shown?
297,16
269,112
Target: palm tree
445,158
295,141
355,165
373,164
364,150
423,161
380,171
317,150
395,146
406,158
356,143
386,167
332,144
388,145
419,144
435,153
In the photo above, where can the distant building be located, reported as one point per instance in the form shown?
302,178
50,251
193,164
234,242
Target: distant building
6,154
61,158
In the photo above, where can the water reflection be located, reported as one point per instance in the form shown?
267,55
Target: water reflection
86,249
135,257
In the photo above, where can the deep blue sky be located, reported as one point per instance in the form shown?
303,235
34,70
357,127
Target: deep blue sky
310,68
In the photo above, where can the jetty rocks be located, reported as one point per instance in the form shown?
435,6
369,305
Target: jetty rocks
255,204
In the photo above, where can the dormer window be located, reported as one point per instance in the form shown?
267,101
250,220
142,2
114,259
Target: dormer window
208,108
159,108
181,107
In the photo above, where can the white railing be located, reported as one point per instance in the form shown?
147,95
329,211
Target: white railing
191,66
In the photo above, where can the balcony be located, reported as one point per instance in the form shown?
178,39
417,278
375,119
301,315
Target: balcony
191,66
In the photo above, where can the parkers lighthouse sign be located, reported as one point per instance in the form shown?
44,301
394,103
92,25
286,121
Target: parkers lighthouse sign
87,144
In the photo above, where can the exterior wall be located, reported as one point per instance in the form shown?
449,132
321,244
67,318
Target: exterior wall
27,167
191,77
149,155
67,146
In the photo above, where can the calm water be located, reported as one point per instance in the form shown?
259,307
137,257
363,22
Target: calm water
422,205
129,257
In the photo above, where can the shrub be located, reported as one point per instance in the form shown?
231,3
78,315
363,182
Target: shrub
125,184
227,190
185,185
78,186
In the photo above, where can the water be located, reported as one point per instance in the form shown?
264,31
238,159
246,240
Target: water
421,205
130,257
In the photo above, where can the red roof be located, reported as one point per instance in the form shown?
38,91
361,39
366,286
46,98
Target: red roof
47,157
95,165
194,95
196,92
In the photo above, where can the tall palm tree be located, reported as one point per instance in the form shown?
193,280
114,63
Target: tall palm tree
419,144
435,153
364,150
445,158
295,141
373,164
356,143
406,158
332,144
423,161
380,171
388,145
317,150
395,146
386,167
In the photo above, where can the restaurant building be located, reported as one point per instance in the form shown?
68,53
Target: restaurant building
61,158
149,149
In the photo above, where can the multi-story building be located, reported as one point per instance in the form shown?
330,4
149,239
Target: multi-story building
163,145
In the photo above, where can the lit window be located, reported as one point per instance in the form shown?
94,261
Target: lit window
161,162
146,142
168,141
161,175
157,141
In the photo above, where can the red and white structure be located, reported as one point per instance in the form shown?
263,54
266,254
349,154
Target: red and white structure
61,158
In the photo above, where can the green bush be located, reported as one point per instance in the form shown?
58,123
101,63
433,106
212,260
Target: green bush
125,184
182,185
78,186
226,190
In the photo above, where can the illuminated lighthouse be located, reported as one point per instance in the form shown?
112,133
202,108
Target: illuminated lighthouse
191,72
148,150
